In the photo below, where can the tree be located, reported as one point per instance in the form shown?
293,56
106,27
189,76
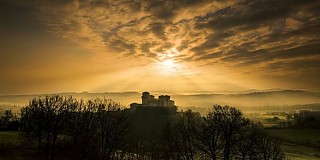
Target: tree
220,131
182,136
94,129
82,125
111,126
255,143
43,119
5,120
269,148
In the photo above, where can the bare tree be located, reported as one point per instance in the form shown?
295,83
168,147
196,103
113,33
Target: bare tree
5,119
136,147
220,132
82,129
270,148
111,120
32,122
247,146
255,143
44,119
93,129
97,129
210,137
183,136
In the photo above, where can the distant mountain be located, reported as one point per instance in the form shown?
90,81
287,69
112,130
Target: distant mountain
265,98
255,98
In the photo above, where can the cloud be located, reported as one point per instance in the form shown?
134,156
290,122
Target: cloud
242,33
122,46
96,23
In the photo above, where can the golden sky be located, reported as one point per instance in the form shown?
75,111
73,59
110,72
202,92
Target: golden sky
51,46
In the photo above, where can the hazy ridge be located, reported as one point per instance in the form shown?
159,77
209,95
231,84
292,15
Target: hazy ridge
251,99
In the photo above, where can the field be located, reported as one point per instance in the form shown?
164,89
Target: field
9,142
298,152
9,137
299,144
11,147
306,137
265,119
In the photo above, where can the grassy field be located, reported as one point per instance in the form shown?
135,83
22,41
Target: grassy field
9,144
298,152
299,144
305,137
11,138
263,118
295,146
11,147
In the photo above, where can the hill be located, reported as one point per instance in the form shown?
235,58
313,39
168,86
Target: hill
247,99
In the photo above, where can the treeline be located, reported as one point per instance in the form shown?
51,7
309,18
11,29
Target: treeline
75,129
67,128
306,119
222,134
9,121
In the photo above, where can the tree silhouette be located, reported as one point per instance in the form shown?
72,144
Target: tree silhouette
111,127
97,129
82,129
220,130
94,129
183,136
44,120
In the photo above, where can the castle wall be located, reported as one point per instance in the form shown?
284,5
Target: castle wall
150,101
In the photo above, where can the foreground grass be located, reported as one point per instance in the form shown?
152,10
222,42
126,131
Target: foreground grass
305,137
11,138
12,147
298,152
299,144
10,144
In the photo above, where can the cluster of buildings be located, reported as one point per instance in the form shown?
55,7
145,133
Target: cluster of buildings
149,102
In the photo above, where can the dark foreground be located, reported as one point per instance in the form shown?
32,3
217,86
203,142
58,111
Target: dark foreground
58,127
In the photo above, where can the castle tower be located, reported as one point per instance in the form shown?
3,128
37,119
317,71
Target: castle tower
145,97
164,101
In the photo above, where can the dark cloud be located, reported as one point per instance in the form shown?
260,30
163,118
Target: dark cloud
247,33
122,46
300,65
213,41
146,47
214,55
250,14
159,30
255,32
183,46
245,57
168,9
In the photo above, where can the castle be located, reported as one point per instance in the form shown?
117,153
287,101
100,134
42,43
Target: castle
149,102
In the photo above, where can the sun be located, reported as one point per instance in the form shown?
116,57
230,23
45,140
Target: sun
169,64
167,67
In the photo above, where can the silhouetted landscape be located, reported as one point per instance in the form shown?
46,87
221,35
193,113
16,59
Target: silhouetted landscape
159,80
62,127
249,100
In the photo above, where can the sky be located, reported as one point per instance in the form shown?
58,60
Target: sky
50,46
